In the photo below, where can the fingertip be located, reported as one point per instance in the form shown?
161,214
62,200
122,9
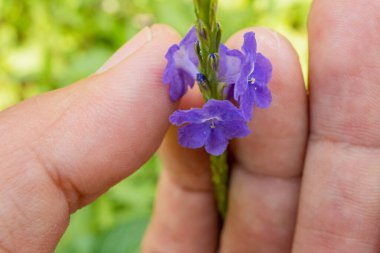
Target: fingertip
140,74
269,42
283,56
287,114
166,32
261,33
136,42
158,32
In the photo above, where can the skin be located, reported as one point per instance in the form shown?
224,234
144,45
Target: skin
306,180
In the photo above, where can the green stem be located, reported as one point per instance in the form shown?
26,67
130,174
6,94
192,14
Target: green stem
209,35
219,169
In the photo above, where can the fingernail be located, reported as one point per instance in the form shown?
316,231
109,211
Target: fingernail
140,39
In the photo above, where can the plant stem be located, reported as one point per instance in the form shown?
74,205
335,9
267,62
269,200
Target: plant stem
220,173
209,35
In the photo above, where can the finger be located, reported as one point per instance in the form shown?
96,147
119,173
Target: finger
339,207
65,148
268,163
140,39
185,191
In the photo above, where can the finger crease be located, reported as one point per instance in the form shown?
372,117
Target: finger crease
70,191
190,189
330,234
4,249
315,137
268,175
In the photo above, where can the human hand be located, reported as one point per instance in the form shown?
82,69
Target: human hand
61,150
338,209
65,148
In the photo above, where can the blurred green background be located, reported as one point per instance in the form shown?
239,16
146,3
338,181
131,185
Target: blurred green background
47,44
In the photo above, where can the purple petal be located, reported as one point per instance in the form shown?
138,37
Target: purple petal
177,78
262,96
228,92
242,83
235,129
217,142
222,110
263,69
250,46
182,67
170,69
183,61
246,102
178,84
181,117
229,64
194,135
190,38
188,43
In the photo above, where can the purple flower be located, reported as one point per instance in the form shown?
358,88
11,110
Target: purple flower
230,62
212,126
251,85
182,67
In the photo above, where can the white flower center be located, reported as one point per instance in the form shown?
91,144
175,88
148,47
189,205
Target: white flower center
212,123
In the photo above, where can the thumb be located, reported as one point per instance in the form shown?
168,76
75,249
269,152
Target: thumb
77,142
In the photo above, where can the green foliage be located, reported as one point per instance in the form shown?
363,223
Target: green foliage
47,44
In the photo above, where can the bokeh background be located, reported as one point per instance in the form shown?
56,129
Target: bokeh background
47,44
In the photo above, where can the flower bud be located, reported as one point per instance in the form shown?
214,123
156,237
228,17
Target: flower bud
197,48
213,61
203,32
218,35
202,81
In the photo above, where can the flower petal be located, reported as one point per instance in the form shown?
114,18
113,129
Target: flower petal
246,102
217,142
223,110
194,135
242,82
263,69
250,46
181,117
262,96
228,92
190,38
171,66
188,43
182,61
182,66
235,129
178,84
230,62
